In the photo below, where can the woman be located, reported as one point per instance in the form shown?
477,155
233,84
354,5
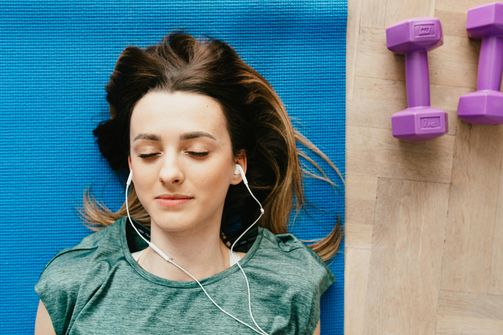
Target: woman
195,249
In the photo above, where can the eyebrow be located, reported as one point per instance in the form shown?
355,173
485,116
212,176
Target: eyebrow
183,137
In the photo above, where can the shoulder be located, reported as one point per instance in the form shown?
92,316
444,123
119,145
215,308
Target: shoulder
294,278
291,256
68,263
60,281
77,256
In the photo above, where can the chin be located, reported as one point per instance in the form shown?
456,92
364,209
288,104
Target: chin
172,222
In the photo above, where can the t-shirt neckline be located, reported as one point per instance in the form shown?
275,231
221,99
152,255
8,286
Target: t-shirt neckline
183,284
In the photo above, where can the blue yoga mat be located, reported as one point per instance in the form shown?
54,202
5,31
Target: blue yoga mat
55,59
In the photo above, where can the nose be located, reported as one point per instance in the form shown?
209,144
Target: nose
171,172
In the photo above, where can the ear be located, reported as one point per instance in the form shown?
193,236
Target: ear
240,159
129,162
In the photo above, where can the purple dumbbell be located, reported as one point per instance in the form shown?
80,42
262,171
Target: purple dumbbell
485,106
414,38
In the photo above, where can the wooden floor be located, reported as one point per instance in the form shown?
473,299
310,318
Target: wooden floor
424,229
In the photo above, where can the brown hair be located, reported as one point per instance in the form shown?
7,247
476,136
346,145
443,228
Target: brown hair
257,121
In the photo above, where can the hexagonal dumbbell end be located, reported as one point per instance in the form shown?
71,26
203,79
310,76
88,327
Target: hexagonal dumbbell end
413,38
419,123
414,34
481,107
485,106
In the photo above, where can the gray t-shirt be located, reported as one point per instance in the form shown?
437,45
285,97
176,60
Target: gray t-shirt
96,287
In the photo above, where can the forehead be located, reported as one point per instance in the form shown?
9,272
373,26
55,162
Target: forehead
165,113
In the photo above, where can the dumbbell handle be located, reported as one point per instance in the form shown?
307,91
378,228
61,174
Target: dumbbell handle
418,80
490,63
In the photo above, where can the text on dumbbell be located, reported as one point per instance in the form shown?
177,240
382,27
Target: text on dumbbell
430,122
424,30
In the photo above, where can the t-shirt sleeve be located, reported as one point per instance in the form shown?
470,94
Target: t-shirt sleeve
323,276
321,279
313,279
58,286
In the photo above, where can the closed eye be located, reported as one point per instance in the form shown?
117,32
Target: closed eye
198,153
147,155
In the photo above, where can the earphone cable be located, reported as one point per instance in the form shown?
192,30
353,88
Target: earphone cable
245,181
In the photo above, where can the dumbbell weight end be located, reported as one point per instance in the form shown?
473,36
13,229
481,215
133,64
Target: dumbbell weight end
419,123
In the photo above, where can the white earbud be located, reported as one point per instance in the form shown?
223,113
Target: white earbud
239,170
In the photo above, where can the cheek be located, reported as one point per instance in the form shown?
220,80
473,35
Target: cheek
144,177
142,173
211,178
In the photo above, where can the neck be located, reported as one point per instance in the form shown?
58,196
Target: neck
201,252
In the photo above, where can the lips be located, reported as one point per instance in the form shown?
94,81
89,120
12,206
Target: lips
173,200
174,196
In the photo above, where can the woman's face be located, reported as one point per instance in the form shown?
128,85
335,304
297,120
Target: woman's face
182,160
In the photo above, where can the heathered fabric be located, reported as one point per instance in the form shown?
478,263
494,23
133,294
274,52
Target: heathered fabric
96,287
